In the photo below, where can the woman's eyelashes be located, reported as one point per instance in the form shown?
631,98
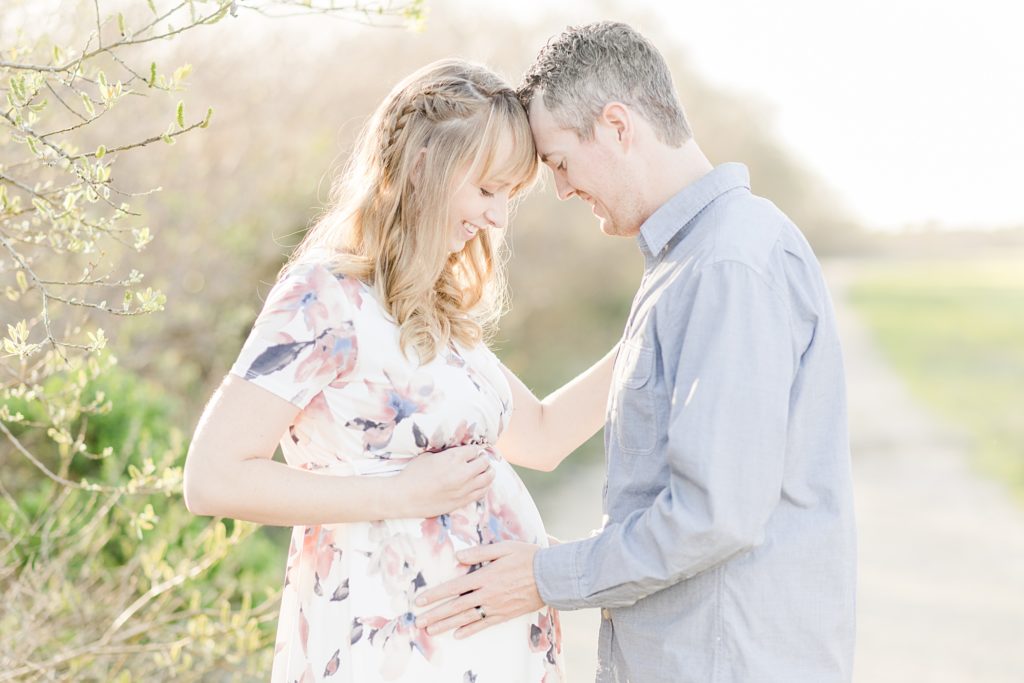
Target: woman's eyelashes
486,193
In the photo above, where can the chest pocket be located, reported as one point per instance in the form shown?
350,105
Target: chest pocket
635,424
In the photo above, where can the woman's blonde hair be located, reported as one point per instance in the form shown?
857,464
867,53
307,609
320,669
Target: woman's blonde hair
391,230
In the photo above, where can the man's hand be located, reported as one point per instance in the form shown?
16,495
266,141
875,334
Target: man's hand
498,591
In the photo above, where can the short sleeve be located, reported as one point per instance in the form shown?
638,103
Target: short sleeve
304,338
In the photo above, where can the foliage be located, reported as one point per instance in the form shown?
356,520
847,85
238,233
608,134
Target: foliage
105,575
953,329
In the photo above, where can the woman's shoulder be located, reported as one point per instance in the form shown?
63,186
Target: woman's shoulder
322,280
315,271
480,353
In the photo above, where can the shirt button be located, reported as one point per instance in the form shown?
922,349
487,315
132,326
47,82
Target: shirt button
606,614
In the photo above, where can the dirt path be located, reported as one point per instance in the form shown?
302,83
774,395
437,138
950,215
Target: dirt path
941,591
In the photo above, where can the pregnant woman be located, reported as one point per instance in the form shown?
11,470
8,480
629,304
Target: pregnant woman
397,423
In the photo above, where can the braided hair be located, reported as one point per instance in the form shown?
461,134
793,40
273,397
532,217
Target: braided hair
388,219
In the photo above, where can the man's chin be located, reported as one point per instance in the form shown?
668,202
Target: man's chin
613,229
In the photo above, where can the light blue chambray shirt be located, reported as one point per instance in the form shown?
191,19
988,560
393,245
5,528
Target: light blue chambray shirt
728,549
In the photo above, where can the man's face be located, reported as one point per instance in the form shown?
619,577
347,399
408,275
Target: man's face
592,170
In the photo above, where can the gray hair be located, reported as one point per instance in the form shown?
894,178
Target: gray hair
586,67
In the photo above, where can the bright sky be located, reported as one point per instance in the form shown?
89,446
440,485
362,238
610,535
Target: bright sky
912,110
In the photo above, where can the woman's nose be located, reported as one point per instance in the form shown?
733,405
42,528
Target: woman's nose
497,216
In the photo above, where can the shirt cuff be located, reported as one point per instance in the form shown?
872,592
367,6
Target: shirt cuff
554,570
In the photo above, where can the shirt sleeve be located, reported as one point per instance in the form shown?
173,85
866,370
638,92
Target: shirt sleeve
304,338
725,451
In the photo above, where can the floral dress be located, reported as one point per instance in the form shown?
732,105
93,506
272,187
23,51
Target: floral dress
324,343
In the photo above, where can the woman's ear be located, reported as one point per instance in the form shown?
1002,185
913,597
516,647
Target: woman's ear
417,167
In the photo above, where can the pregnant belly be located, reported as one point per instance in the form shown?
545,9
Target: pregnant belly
415,553
507,512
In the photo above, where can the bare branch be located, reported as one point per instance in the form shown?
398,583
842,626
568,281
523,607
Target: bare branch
40,285
155,590
370,12
143,143
11,181
46,470
66,106
96,187
99,29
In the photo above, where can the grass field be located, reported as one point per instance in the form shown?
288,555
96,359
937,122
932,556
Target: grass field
955,330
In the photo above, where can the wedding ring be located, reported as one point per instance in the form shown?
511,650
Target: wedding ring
481,612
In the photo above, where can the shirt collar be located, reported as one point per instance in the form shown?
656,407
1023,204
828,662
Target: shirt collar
675,214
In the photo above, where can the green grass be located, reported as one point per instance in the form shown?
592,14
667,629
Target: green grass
955,332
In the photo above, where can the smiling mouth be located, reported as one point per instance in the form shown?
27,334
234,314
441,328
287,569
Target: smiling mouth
470,229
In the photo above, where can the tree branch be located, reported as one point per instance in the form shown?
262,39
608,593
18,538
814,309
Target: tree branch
46,470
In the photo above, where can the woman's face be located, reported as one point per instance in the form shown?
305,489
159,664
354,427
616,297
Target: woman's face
477,204
480,204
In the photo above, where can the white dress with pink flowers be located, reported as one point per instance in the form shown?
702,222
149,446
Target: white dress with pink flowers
324,343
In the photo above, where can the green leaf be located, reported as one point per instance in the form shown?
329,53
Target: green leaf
87,103
151,6
180,115
120,24
18,88
142,237
206,121
181,73
97,340
101,151
152,74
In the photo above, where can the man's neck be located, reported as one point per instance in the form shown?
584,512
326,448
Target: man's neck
672,170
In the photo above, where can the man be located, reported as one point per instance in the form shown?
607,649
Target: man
728,552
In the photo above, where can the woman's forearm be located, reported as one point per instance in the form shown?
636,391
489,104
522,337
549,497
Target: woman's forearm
230,472
269,492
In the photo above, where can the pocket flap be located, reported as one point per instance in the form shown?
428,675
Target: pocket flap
637,365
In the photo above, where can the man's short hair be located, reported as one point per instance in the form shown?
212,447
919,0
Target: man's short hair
586,67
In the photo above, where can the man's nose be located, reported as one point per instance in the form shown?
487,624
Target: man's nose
562,188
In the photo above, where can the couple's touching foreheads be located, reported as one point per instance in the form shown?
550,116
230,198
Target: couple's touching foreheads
727,551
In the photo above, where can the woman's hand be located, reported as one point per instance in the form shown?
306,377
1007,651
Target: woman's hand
433,484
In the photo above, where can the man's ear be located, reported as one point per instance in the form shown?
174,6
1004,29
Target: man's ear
417,167
619,120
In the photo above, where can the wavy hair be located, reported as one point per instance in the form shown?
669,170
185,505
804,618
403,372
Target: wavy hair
394,235
586,67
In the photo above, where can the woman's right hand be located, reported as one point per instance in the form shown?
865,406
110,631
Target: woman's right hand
433,484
